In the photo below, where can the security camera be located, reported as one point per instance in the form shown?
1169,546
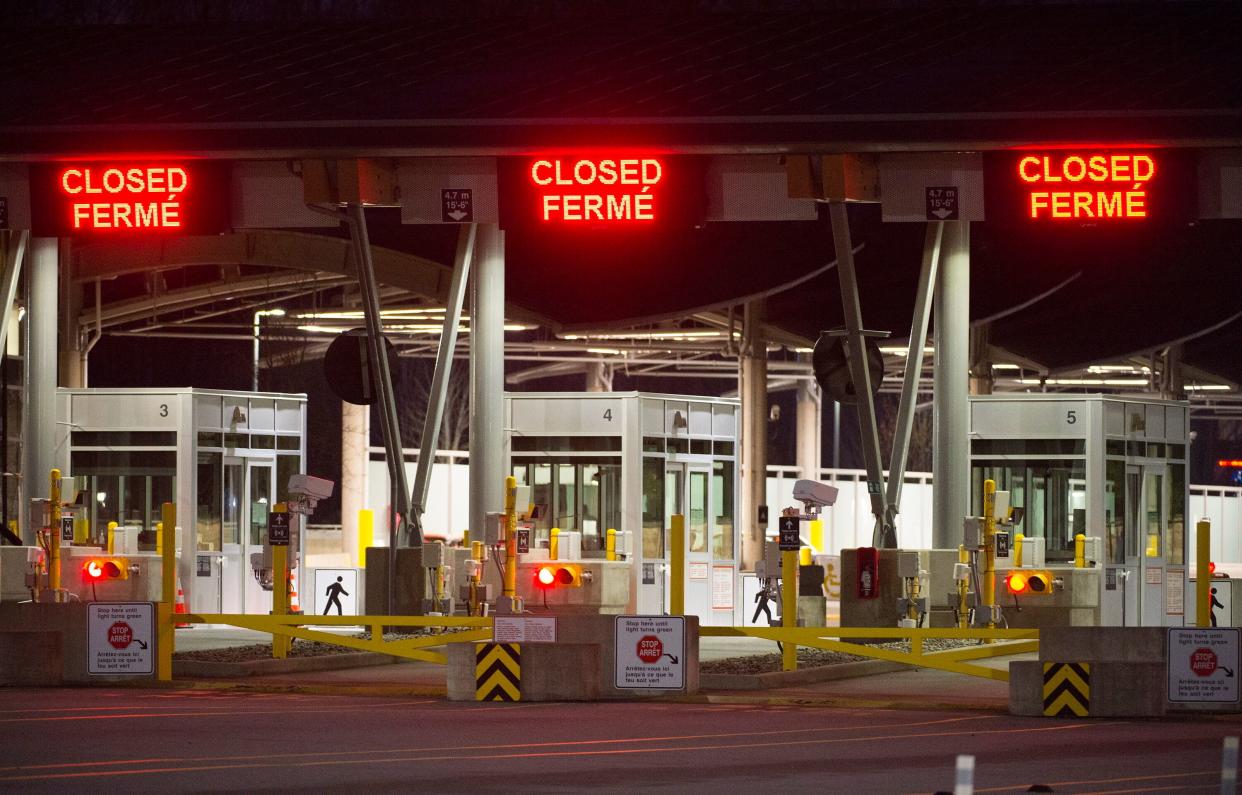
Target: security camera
814,494
309,487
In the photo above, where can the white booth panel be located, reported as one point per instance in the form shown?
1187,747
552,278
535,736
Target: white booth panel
236,413
1155,422
701,419
1175,423
288,415
653,416
262,414
724,421
207,412
102,411
1037,419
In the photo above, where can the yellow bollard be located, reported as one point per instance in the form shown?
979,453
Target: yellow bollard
1080,551
166,608
366,535
53,563
804,556
610,545
280,589
677,565
1018,538
789,607
510,589
159,538
554,543
989,548
465,539
816,531
1203,575
963,591
111,539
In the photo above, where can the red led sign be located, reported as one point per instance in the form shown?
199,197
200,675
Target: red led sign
1087,186
598,190
127,198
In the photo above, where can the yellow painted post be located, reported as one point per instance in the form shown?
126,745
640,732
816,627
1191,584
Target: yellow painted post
1203,577
816,530
1018,538
366,535
1080,551
280,589
554,543
111,539
989,549
610,544
465,538
963,591
677,565
510,589
789,607
53,563
164,645
804,556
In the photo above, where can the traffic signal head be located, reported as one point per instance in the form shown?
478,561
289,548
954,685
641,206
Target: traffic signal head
1030,583
557,575
95,569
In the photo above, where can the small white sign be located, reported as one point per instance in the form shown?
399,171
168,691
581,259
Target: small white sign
650,653
336,592
722,587
120,638
1203,665
696,571
524,629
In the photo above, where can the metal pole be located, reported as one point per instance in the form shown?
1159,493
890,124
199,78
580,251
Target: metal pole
254,378
378,354
440,380
950,399
39,389
856,351
836,434
487,366
914,368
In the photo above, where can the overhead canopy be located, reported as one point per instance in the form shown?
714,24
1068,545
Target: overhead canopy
810,79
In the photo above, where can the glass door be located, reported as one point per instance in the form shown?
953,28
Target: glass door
260,476
674,503
1154,521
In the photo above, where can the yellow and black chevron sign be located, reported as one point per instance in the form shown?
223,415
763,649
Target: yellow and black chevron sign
1067,689
497,672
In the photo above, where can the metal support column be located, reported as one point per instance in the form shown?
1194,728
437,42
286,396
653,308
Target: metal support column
430,441
39,389
487,378
914,368
753,365
355,458
809,429
377,353
883,535
951,402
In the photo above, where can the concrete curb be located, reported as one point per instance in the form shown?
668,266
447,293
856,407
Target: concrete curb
806,676
194,669
846,702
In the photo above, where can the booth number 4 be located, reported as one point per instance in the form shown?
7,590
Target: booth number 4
608,414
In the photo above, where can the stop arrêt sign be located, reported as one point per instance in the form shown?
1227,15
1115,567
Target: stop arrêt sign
650,648
1203,661
120,635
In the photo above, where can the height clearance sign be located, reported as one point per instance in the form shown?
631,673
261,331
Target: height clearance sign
129,198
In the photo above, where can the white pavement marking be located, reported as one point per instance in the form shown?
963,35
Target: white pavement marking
964,784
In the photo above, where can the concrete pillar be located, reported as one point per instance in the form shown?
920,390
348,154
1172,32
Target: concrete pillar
69,355
809,429
981,381
39,387
598,377
950,402
487,378
355,458
754,393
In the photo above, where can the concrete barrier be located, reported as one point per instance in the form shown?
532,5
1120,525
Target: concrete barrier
1128,672
578,667
45,644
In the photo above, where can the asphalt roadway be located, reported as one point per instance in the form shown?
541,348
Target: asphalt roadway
143,740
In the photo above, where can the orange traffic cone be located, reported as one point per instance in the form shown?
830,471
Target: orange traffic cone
179,605
293,593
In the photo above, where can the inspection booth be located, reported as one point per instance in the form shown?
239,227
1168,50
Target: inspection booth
222,457
628,462
1110,468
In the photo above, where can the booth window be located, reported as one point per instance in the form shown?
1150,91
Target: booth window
697,520
653,508
234,483
722,501
1153,489
123,486
1175,539
1052,492
581,494
1115,511
210,501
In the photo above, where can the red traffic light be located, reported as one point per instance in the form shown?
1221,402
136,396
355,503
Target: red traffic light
1211,569
105,569
553,575
1016,583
